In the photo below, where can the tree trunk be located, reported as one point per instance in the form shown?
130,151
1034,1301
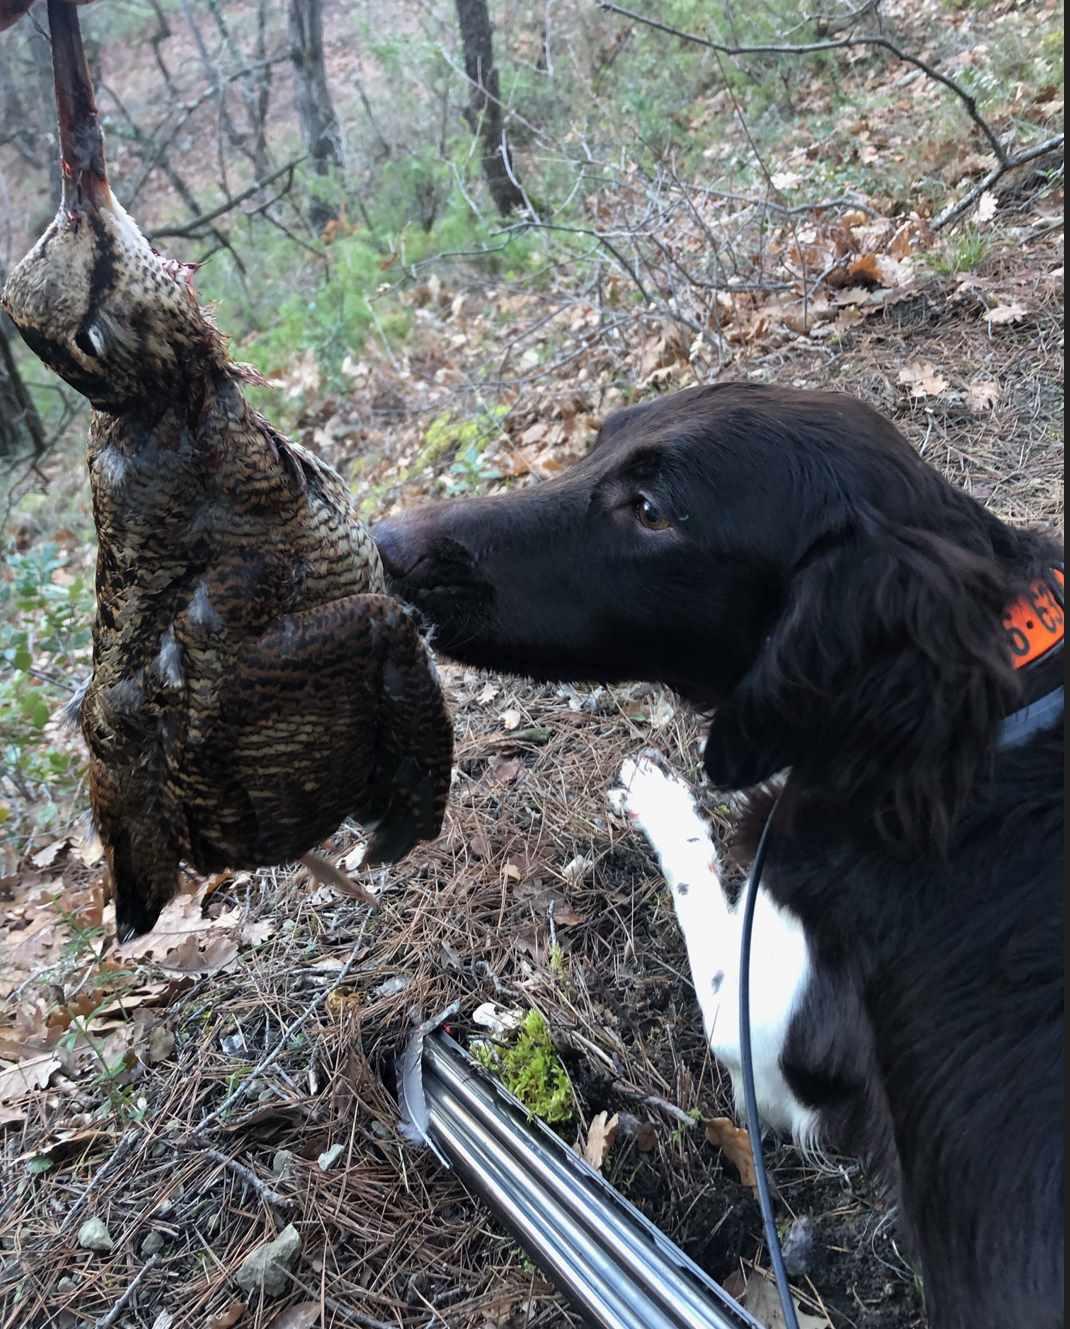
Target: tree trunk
484,113
21,431
319,123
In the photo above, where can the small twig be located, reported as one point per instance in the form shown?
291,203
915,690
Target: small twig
654,1101
112,1317
269,1196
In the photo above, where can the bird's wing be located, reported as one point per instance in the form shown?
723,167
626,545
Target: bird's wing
330,713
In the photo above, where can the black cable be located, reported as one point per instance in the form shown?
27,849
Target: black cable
750,1097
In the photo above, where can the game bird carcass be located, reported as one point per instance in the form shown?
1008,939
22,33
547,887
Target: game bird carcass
252,685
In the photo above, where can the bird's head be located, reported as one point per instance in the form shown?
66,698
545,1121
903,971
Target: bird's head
93,299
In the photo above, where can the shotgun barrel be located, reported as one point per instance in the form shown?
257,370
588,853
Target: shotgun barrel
615,1266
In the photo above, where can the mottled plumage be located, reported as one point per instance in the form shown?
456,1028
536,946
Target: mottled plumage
252,684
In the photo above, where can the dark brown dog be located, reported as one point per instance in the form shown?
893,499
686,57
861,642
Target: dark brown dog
785,558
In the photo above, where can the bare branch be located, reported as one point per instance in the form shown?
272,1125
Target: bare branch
956,210
835,44
190,229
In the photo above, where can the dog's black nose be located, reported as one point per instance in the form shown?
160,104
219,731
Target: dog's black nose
405,544
389,537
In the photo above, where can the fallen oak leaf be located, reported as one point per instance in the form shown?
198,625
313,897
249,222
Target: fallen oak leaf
26,1076
191,958
922,379
1013,313
734,1142
44,858
983,396
180,918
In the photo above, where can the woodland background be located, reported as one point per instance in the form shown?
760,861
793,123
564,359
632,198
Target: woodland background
454,237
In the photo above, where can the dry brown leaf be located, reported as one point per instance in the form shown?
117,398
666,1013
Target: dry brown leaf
734,1143
503,770
786,180
983,396
191,958
303,1315
228,1318
567,917
161,1044
1012,313
758,1294
26,1076
340,1003
853,295
922,379
44,858
255,934
600,1136
180,919
67,1143
478,844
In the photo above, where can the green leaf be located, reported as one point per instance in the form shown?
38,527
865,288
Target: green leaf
34,708
23,659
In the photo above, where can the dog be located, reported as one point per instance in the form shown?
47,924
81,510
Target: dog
881,657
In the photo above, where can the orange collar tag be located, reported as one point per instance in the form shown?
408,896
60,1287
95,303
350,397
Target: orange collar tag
1034,624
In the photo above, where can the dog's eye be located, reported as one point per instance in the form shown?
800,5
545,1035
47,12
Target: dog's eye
648,514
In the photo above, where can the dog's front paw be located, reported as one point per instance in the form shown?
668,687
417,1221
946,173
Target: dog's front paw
650,794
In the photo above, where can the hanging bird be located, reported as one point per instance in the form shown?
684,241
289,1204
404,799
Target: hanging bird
252,684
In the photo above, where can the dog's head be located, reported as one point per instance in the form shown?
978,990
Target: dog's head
783,556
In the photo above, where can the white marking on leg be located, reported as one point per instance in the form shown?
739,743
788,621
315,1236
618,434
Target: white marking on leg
662,807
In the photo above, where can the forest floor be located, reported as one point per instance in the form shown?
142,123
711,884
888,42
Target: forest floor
233,1071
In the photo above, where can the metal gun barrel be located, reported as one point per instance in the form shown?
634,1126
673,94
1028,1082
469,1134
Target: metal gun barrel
616,1267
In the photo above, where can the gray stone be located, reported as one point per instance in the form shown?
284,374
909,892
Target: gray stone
282,1165
153,1244
266,1267
66,1285
330,1156
94,1236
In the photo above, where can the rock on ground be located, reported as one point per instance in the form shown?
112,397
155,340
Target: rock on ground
267,1266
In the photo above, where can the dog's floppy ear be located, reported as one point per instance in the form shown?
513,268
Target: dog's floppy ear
882,681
